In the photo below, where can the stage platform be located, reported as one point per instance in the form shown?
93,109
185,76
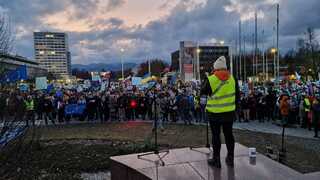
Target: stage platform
187,164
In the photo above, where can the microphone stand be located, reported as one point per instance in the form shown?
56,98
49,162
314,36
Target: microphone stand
207,140
283,151
156,151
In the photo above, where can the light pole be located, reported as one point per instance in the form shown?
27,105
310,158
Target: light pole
274,51
198,62
263,57
267,67
149,67
122,70
278,54
230,53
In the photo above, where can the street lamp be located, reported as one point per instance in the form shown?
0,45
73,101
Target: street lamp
122,70
274,51
221,42
198,62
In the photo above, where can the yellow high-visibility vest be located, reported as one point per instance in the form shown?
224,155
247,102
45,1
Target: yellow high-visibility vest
196,102
29,105
223,95
307,101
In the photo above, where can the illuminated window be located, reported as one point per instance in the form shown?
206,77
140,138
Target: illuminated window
52,52
49,35
41,52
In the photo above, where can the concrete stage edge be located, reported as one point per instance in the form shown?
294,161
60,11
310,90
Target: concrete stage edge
187,164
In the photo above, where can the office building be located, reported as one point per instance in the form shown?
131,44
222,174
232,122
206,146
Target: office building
194,59
52,52
175,61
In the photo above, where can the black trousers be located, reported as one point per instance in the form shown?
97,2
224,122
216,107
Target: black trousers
48,116
316,118
216,125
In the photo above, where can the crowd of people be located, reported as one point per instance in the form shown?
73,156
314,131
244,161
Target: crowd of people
113,104
166,103
296,106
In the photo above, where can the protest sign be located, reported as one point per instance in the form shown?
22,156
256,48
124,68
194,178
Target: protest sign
103,85
87,84
41,83
24,87
136,81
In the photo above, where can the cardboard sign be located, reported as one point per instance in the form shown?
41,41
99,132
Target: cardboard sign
41,83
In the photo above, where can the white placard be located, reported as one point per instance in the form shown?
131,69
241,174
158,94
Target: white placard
41,83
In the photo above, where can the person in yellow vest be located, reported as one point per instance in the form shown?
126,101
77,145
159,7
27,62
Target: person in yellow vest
29,107
306,111
222,92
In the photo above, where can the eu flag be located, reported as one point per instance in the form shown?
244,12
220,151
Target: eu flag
15,75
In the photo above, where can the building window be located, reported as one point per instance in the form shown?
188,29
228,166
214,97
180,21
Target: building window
49,35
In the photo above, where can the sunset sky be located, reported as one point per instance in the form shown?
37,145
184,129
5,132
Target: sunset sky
98,29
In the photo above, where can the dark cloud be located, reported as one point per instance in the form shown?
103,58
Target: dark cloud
112,4
297,15
216,19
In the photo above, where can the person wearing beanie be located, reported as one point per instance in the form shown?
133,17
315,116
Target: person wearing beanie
223,93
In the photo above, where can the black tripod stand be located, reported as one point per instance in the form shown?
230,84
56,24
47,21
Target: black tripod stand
283,151
156,147
207,139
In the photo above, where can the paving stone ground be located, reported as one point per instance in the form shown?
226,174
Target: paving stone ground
271,128
96,176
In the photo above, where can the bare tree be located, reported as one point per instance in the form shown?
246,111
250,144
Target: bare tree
312,47
6,38
14,141
308,53
6,34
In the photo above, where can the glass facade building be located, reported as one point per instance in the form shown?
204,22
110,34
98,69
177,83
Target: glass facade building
52,52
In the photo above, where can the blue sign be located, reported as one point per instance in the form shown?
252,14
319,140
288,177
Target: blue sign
136,81
11,134
24,87
75,109
15,75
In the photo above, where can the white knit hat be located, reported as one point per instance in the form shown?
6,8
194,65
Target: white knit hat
221,63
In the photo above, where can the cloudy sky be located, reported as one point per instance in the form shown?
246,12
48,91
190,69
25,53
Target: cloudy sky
97,29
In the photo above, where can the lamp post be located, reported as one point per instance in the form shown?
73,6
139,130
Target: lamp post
122,70
267,66
230,53
198,62
149,67
274,51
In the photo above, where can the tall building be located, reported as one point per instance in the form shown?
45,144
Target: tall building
194,59
175,61
52,52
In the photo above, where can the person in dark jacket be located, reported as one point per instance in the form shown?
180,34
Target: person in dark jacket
48,109
60,105
106,107
91,107
223,94
316,115
39,104
252,101
142,106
